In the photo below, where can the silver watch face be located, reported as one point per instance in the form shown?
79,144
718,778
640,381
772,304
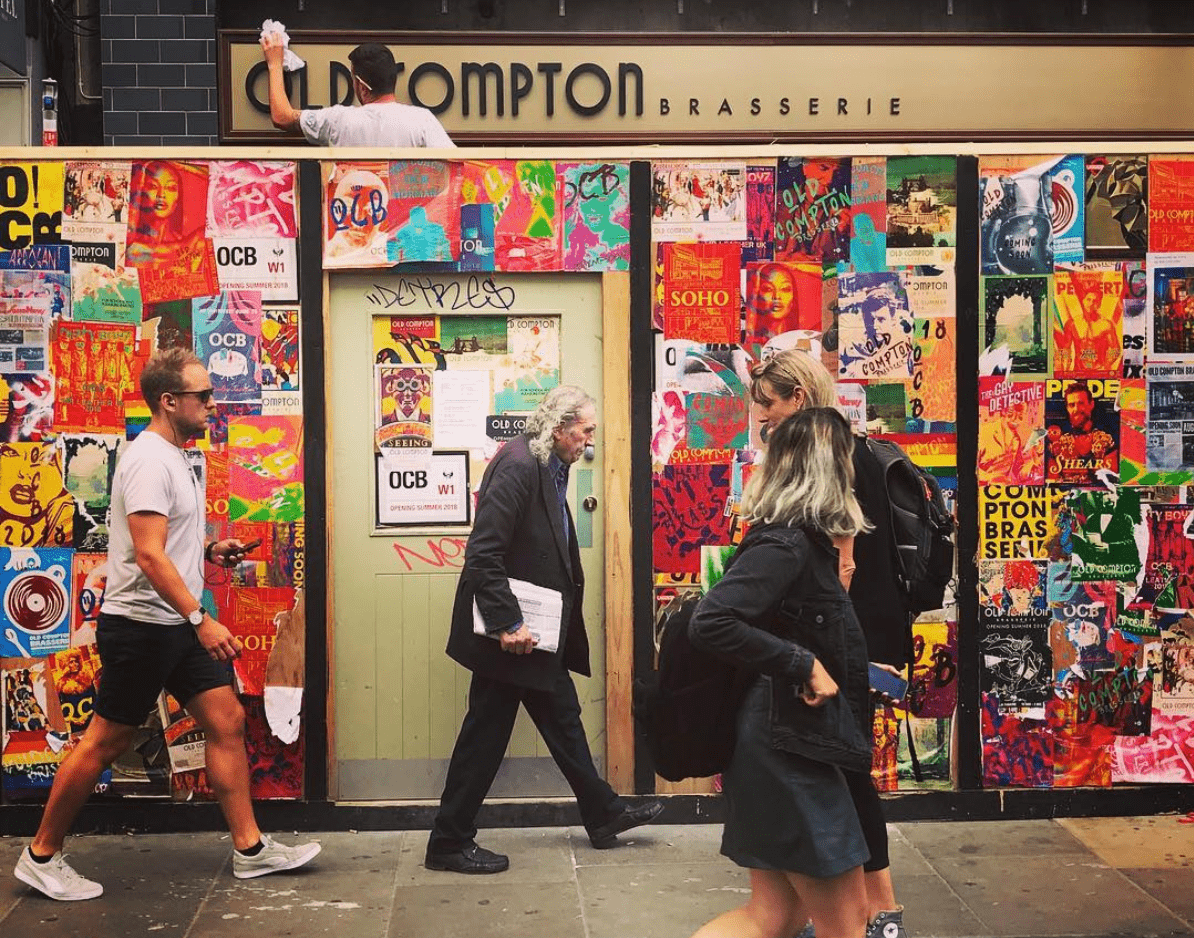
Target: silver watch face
196,617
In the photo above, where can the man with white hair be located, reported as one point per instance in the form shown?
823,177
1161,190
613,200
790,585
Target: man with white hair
524,530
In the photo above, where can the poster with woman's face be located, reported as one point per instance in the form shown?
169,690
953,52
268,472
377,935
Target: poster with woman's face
166,240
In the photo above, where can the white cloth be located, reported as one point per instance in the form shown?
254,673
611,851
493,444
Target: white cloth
152,474
290,61
373,125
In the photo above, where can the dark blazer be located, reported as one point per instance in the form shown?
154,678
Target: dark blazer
518,532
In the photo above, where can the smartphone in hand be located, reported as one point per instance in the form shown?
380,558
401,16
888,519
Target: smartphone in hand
886,683
251,545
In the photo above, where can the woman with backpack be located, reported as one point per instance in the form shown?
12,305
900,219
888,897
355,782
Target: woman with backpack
781,612
780,387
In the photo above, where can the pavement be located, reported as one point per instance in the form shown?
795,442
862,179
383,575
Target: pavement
1072,877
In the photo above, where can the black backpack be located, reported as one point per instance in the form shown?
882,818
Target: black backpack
687,710
922,528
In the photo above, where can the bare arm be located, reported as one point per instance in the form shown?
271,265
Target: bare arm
281,111
148,531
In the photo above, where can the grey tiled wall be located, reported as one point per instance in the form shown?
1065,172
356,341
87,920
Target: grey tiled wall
159,72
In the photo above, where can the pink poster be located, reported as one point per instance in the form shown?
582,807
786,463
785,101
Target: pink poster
251,199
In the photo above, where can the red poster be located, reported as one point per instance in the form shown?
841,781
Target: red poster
252,621
167,231
93,368
1170,204
781,296
700,286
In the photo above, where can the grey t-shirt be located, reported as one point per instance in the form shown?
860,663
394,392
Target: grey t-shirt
373,125
152,474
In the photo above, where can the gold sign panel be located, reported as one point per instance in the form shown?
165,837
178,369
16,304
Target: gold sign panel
525,89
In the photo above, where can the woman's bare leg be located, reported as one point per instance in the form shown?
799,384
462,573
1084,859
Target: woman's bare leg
773,911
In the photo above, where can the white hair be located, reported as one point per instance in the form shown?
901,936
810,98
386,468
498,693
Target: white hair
561,407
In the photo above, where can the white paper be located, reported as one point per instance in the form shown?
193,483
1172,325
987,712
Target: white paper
283,706
459,403
542,612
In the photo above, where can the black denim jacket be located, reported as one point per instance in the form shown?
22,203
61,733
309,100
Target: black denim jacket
779,604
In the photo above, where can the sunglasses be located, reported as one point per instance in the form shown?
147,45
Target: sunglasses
204,396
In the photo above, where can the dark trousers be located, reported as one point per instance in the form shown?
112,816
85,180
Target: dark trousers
481,746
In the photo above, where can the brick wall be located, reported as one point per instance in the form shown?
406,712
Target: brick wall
159,72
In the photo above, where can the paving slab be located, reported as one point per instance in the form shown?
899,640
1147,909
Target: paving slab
347,890
1054,894
957,839
1173,888
1136,842
658,900
485,906
932,907
152,884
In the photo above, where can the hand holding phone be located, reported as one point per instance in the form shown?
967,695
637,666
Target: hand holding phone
888,685
251,545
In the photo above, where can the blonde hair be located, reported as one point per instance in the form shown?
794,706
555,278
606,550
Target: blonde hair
806,478
789,372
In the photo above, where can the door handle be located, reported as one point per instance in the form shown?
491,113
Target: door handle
589,504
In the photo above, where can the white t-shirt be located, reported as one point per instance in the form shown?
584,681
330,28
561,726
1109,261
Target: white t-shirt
373,125
152,474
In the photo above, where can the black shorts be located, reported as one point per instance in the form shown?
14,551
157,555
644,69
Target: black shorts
139,659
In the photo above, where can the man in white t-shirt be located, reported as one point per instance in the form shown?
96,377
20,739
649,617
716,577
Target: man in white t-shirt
380,121
154,633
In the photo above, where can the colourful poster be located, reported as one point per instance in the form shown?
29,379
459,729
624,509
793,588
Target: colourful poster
33,197
698,201
227,331
265,468
254,620
403,417
868,233
1109,537
596,216
35,593
760,214
781,297
93,375
1170,444
1171,323
1067,180
1088,328
75,673
166,231
89,581
1011,432
1081,430
531,366
701,290
1014,339
1017,748
88,466
1116,205
689,510
875,323
280,348
95,197
355,232
1014,521
1016,661
525,202
26,407
103,291
1135,318
812,209
933,690
1170,204
922,210
1016,234
932,389
423,213
251,199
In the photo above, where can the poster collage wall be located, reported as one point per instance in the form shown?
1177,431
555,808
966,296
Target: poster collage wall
853,261
449,389
1086,453
103,263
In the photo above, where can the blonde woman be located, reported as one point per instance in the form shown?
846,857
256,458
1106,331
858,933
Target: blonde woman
783,386
780,610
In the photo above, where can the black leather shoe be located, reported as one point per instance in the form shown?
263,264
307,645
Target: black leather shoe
472,859
606,835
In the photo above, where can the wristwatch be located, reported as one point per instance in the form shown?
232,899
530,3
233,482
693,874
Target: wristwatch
196,618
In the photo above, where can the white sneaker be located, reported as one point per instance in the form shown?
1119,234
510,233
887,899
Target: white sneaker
55,878
273,858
